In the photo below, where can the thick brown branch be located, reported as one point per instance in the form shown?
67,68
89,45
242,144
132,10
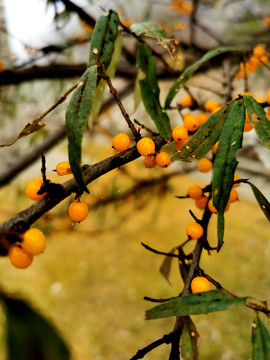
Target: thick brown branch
28,216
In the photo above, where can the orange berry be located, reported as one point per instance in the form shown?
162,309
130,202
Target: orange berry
199,284
259,100
121,142
78,210
179,133
203,117
19,258
204,165
218,107
210,105
146,146
201,202
150,161
233,196
268,113
259,50
211,207
191,122
33,241
63,168
179,144
163,159
194,230
214,148
248,126
195,192
236,177
187,101
268,97
32,189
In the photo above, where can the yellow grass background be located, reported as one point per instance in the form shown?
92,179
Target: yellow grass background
93,276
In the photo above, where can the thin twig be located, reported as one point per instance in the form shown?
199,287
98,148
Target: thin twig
159,252
114,93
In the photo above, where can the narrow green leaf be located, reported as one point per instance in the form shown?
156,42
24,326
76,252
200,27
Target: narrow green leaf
29,335
77,114
103,38
185,76
188,341
258,119
260,340
199,303
206,136
137,91
225,162
150,91
261,199
153,31
102,84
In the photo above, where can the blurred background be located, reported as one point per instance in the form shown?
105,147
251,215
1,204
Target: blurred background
91,280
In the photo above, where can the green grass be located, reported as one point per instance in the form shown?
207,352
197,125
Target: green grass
93,276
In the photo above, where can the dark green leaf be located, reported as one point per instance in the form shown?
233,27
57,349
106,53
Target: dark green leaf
77,114
260,340
225,162
150,91
99,93
153,31
103,38
200,303
206,136
185,76
257,117
29,335
189,339
261,199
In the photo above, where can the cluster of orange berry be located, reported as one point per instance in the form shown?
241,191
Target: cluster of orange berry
258,57
146,147
33,242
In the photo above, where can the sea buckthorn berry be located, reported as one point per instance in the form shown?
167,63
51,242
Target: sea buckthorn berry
233,196
179,133
33,241
63,168
19,257
259,50
268,97
121,142
211,207
259,100
201,202
179,144
191,122
78,211
236,177
268,113
194,230
195,192
146,146
216,109
199,284
163,159
32,189
204,165
248,126
187,101
214,148
203,117
210,105
150,161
